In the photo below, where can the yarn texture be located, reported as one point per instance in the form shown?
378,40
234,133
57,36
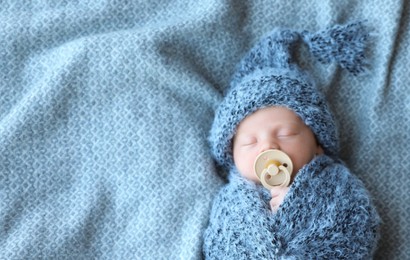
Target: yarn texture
327,214
269,76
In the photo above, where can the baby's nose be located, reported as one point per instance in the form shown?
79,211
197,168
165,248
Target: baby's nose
268,145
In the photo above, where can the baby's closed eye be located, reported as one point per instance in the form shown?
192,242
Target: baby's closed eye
287,132
247,141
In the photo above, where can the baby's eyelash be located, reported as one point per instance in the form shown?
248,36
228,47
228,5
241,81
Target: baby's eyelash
287,132
249,143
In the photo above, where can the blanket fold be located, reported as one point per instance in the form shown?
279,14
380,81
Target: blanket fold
327,214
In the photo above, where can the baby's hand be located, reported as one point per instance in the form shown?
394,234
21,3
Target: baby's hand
278,194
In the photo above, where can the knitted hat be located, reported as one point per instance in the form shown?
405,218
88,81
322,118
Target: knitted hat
269,76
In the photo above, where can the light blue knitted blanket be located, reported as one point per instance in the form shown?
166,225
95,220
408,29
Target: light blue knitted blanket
106,105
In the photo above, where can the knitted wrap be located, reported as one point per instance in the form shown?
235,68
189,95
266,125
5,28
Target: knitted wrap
269,76
327,214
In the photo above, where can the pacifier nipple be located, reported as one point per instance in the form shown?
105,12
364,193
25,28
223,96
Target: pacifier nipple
273,168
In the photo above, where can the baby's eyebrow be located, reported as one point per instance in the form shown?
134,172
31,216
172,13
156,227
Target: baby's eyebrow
293,123
243,136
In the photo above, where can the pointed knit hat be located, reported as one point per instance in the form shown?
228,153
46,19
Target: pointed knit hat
268,75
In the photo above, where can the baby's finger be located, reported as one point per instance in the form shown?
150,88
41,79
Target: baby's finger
277,190
274,205
274,192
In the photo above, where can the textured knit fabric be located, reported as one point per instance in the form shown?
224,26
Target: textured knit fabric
327,214
99,96
269,75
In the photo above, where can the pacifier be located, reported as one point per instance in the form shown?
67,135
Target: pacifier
273,168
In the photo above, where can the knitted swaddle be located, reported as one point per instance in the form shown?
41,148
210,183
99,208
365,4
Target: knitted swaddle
327,214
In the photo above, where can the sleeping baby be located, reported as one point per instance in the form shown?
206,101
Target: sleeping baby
288,194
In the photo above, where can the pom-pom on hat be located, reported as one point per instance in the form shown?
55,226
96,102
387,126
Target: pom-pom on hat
268,75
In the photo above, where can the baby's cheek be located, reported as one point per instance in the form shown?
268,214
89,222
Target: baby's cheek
247,171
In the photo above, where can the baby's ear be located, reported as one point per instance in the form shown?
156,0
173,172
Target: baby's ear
319,150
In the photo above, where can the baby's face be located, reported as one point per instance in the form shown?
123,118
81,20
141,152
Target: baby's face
273,128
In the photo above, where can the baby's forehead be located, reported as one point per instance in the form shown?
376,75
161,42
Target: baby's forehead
272,114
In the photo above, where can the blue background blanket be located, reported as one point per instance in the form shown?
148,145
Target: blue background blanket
105,107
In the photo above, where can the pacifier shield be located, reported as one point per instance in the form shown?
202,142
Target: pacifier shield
273,168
